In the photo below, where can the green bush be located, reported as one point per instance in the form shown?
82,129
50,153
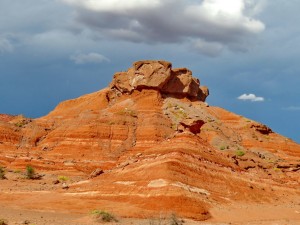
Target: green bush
63,178
30,172
240,153
222,148
104,216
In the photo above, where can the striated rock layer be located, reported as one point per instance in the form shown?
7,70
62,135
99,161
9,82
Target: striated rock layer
148,144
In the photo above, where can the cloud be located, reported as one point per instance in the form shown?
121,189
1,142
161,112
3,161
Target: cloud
5,45
208,48
251,97
89,58
208,26
114,5
292,108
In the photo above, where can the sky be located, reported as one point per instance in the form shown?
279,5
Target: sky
245,51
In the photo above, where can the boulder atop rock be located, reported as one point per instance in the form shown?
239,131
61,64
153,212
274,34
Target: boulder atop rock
159,75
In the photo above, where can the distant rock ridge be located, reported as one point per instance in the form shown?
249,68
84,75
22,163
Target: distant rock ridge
159,75
6,117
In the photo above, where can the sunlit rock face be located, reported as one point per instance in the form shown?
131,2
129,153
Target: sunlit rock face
147,144
159,75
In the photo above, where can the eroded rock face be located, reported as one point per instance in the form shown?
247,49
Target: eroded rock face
143,74
146,152
261,128
191,125
159,75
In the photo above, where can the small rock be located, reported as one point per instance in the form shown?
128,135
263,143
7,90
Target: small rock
97,172
56,182
65,186
139,154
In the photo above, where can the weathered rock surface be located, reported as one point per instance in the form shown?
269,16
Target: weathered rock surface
159,147
159,75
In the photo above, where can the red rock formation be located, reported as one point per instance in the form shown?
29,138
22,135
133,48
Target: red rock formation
158,75
158,146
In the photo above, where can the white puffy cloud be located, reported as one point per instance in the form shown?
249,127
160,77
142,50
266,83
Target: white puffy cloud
209,26
114,5
251,97
89,58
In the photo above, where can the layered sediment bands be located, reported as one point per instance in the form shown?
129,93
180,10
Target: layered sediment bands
158,145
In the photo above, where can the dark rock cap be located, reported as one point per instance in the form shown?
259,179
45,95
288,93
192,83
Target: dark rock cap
159,75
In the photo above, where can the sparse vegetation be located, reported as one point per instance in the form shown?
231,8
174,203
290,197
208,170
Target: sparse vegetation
240,153
30,172
180,114
223,147
2,174
111,123
175,221
3,222
63,178
276,169
166,220
104,216
174,126
128,112
17,171
21,121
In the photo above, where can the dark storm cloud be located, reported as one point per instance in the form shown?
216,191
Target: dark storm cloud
209,25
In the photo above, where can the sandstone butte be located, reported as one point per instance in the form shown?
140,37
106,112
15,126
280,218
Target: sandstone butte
146,144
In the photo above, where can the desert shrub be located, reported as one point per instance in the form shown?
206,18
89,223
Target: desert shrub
127,112
3,222
180,114
276,169
30,172
175,221
17,171
222,148
166,220
20,123
240,153
63,178
2,174
174,126
111,123
104,216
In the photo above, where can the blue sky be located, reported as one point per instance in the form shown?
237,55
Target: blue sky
245,51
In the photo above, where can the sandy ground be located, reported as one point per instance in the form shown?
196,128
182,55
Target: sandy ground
21,199
42,202
224,215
